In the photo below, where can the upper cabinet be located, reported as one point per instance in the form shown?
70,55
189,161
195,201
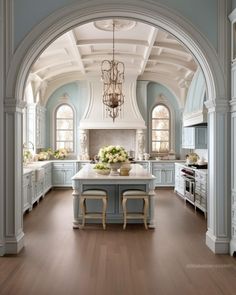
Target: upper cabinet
194,137
195,112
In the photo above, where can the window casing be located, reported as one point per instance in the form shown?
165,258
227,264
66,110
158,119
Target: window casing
64,128
160,131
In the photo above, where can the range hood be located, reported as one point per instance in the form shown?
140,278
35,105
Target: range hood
195,112
96,117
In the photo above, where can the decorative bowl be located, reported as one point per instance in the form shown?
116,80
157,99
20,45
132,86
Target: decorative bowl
102,171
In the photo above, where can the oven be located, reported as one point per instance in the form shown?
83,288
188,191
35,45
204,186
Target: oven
189,184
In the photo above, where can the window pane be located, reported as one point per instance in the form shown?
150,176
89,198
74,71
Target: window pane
64,111
160,124
156,146
64,124
65,144
160,146
160,135
64,135
160,111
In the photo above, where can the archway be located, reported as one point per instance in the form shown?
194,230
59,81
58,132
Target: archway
156,15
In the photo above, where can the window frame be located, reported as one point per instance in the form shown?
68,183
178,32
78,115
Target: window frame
73,124
169,130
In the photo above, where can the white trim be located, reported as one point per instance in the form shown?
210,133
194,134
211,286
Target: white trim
53,124
2,172
163,100
152,13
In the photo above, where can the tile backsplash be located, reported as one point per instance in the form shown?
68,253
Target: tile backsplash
101,137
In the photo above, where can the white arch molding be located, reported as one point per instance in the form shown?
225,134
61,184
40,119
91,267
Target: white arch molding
158,16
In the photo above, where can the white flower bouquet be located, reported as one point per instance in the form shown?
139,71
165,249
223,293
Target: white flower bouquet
112,154
60,154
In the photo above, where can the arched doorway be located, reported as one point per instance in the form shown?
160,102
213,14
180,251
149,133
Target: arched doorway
217,237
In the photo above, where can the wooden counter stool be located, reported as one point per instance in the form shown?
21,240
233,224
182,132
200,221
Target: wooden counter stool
135,195
94,195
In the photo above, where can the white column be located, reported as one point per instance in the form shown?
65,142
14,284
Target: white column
2,172
218,233
233,177
84,144
14,236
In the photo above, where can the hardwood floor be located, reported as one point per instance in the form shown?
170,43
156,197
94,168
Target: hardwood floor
171,259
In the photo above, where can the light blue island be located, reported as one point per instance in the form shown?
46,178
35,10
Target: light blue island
139,178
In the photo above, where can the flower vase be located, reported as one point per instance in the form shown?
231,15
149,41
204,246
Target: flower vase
114,168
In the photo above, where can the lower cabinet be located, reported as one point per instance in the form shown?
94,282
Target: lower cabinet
48,178
201,190
165,174
62,174
179,181
37,186
27,192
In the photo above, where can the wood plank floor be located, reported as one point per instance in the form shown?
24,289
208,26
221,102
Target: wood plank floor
171,259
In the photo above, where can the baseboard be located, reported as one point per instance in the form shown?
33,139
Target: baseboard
14,245
217,245
2,249
233,247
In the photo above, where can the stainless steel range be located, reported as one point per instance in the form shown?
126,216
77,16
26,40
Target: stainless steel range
189,184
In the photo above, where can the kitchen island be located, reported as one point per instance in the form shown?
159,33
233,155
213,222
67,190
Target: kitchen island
139,178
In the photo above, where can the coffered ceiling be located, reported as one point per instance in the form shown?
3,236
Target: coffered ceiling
147,52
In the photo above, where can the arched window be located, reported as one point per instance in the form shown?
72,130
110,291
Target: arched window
64,127
160,129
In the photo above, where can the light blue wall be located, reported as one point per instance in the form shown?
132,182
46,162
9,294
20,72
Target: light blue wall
201,13
233,4
77,92
147,97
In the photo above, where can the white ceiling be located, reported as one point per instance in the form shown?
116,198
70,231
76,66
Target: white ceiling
147,52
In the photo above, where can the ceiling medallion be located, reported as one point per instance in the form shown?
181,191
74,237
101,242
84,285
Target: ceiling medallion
120,24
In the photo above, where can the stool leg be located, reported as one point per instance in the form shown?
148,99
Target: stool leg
104,209
145,212
124,211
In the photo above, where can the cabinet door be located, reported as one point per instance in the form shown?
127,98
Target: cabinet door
68,174
58,176
169,176
26,192
188,138
201,138
157,172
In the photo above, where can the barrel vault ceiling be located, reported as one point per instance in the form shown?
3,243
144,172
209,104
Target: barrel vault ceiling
148,53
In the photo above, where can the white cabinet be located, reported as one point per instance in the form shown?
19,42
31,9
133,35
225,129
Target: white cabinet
62,174
164,173
40,127
36,125
179,181
27,193
194,137
48,177
201,190
38,178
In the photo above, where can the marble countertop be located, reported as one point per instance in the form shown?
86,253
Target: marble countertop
137,172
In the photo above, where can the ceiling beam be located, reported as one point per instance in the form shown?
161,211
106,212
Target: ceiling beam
75,50
148,50
109,41
175,61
